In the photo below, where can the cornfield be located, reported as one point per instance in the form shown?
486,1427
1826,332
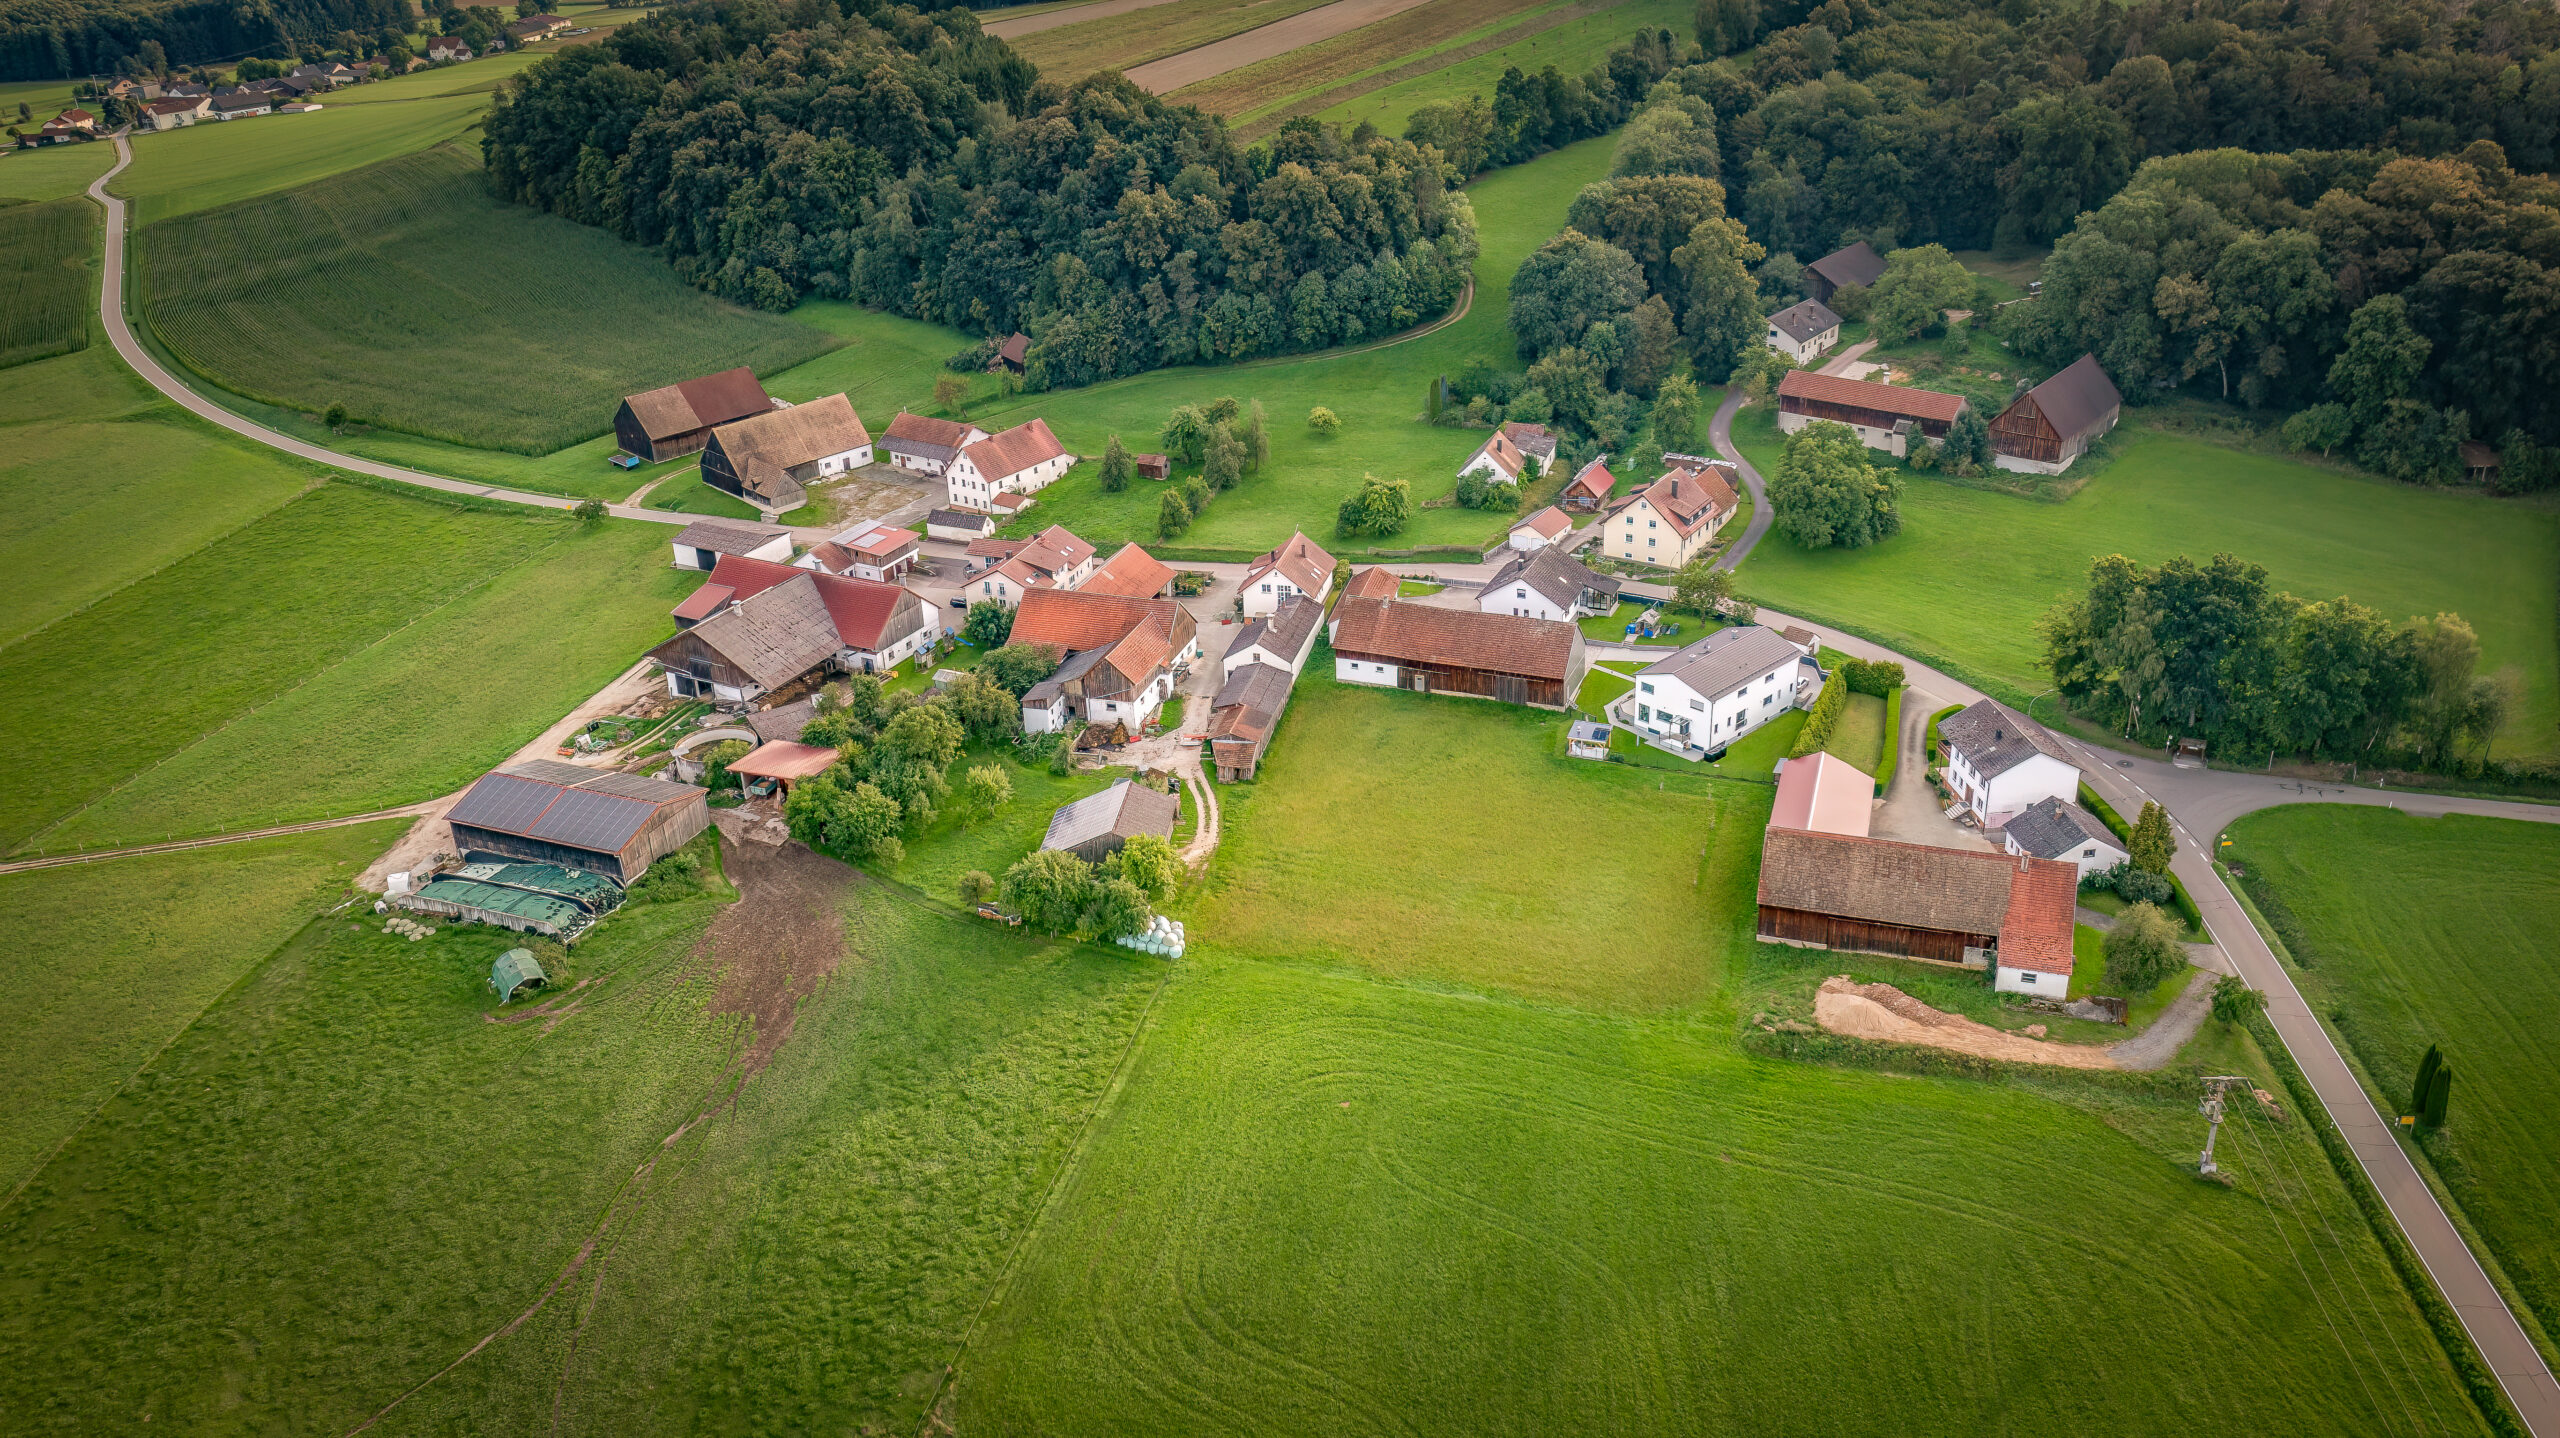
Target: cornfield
409,294
44,278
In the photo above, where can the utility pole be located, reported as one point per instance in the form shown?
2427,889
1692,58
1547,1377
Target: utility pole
2211,1108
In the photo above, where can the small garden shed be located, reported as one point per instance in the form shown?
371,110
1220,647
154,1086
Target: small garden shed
516,969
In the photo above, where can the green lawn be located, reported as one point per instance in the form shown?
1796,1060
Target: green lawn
1378,396
1329,1205
2414,931
1972,570
110,961
422,303
342,1177
1859,736
478,77
1612,627
940,852
1417,588
255,681
202,166
54,171
1755,757
46,284
1600,689
1480,898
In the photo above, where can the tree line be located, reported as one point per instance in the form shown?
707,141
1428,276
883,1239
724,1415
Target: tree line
2210,651
910,163
60,39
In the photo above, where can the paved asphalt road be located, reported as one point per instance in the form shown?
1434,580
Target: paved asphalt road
2200,802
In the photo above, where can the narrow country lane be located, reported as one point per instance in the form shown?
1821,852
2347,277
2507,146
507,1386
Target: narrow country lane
111,313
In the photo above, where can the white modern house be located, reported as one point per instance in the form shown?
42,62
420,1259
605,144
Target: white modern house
1547,584
1297,567
1023,460
2000,763
2060,830
1704,696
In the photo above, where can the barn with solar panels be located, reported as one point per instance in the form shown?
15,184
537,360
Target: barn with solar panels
593,820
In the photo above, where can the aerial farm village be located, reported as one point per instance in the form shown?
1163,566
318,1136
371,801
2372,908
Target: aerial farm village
1172,717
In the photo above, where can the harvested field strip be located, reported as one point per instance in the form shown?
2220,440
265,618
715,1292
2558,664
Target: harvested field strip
1275,39
1263,121
1071,50
424,304
45,278
1020,20
1340,57
1572,39
203,166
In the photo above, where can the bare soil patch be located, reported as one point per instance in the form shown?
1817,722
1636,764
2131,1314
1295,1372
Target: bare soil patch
780,940
1888,1015
1021,25
1338,56
1413,69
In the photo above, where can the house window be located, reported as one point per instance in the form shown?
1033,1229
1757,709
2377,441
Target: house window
1645,712
1649,543
2026,978
1266,589
1647,688
2088,853
1521,593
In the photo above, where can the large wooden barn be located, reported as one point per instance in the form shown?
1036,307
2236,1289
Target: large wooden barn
2045,429
596,821
1431,650
770,460
1881,896
678,419
1886,416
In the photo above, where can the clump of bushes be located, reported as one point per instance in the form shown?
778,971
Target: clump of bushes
1825,716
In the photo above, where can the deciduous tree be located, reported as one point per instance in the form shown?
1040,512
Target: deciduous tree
1827,494
2143,949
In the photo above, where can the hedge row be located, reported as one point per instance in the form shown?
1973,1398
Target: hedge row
1934,721
1892,740
1827,709
2179,899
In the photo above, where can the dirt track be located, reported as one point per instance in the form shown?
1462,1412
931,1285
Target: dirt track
782,938
1277,38
1888,1015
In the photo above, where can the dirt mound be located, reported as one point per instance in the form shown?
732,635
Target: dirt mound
782,938
1888,1015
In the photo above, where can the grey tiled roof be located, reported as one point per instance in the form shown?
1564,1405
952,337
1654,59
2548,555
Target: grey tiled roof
1726,658
1125,809
1995,738
2051,829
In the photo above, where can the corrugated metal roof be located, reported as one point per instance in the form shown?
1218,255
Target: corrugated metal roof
599,810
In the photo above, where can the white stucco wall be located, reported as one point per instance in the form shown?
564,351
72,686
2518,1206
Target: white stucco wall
1366,671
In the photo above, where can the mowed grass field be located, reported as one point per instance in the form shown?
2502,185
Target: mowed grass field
202,166
111,961
343,1177
1972,570
45,279
54,171
348,651
1628,891
411,295
1378,394
2414,931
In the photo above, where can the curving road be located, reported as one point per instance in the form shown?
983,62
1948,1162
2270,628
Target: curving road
111,313
1720,436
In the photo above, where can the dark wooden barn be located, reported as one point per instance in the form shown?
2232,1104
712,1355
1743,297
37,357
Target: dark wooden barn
1882,896
597,821
678,419
1509,657
2048,427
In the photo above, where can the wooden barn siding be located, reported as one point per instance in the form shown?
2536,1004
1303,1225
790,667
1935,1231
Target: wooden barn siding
2023,431
1482,683
670,829
687,654
717,470
1866,936
627,433
1859,414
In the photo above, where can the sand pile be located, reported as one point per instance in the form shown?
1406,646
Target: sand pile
1888,1015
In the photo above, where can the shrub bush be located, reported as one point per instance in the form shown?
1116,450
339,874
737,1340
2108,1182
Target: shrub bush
1827,708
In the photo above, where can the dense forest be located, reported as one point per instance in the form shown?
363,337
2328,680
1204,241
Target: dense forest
58,39
907,162
2338,210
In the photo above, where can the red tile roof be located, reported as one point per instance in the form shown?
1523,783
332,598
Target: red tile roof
1014,451
2037,933
1372,583
1548,523
1133,572
1458,638
923,429
1594,480
705,602
1141,634
1893,399
785,759
1299,561
1687,498
861,608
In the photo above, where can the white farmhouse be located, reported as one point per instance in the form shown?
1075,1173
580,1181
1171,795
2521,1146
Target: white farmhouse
2000,762
1023,460
2060,830
1297,567
1547,584
1497,459
1281,640
1802,331
1706,695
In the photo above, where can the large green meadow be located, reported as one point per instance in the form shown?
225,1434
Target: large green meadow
54,171
1974,569
197,168
410,294
45,278
111,961
2408,931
